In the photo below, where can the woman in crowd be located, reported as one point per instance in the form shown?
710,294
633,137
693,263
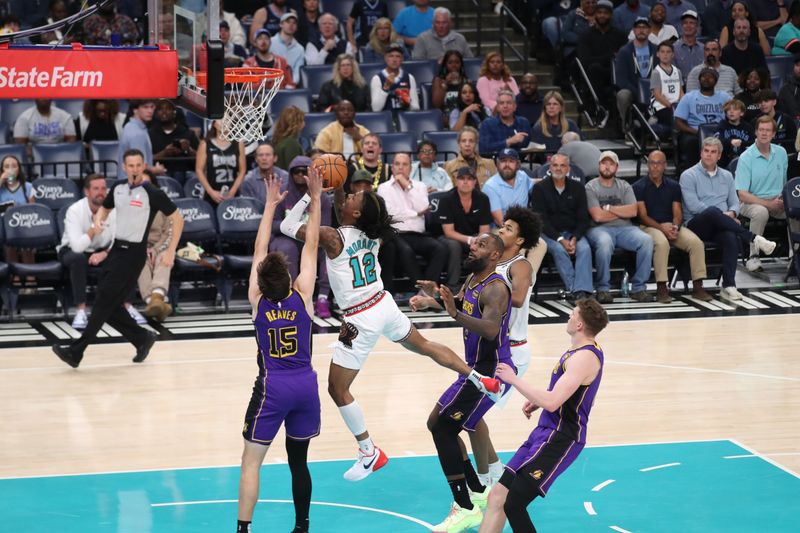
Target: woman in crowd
448,83
286,136
100,120
553,123
308,22
346,84
494,76
740,9
468,156
469,110
15,190
752,80
381,36
220,166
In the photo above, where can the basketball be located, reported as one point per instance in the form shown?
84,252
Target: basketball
333,168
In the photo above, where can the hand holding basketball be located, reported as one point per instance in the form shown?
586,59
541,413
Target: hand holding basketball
333,168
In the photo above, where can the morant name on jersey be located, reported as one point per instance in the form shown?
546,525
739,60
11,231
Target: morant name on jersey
360,244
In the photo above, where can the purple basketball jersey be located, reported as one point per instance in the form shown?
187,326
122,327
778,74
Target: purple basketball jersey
476,348
283,334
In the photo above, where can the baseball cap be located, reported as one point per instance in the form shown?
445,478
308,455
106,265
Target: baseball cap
298,162
608,154
606,4
393,47
261,32
641,21
465,171
689,13
361,175
708,70
508,153
289,15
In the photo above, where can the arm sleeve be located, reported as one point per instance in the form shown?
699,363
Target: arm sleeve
377,94
486,211
733,198
414,95
628,197
591,198
582,220
539,205
78,240
744,174
689,193
495,202
682,111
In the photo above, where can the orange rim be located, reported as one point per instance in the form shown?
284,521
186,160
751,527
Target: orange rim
240,75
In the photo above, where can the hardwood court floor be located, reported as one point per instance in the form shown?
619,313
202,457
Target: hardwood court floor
676,380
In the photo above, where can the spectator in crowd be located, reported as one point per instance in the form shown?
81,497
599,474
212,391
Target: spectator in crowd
153,281
760,178
83,244
553,15
469,110
100,120
107,27
510,186
173,143
271,18
735,133
658,31
789,95
134,136
347,84
265,58
433,43
363,16
703,106
235,54
505,129
756,36
726,76
742,53
575,25
220,166
495,76
255,184
529,99
57,11
308,20
407,203
688,50
285,44
469,157
394,88
786,129
295,187
381,37
328,46
413,20
344,135
769,14
428,171
710,207
596,50
237,31
553,123
658,200
788,34
565,220
675,10
371,161
44,123
583,155
666,86
751,81
464,214
15,190
612,206
447,84
626,14
634,62
286,135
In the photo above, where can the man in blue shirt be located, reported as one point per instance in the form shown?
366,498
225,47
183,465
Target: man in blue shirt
135,137
505,129
633,62
710,206
413,20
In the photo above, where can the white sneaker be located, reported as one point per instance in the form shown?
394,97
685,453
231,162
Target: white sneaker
730,293
764,245
81,320
366,464
459,519
753,264
137,316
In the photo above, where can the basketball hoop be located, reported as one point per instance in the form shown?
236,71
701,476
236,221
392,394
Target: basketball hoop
248,92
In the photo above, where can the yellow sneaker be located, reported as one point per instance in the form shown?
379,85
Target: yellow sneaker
479,499
459,520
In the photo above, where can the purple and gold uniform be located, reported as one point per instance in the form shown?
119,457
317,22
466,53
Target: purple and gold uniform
462,401
286,387
560,436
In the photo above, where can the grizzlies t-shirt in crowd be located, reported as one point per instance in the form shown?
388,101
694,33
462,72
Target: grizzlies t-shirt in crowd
620,193
136,208
696,108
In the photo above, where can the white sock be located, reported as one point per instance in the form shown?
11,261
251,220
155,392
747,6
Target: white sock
496,469
485,479
354,418
367,446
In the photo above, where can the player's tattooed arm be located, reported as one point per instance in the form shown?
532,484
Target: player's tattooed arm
330,241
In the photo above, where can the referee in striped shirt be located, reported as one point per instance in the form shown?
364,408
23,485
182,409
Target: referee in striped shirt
136,202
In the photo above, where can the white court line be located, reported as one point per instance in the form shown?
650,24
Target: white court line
617,528
750,455
651,468
327,504
709,370
603,485
589,508
765,458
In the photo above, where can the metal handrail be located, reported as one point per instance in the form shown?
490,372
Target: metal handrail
458,10
507,14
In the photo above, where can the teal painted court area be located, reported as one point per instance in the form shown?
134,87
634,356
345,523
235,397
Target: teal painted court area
688,487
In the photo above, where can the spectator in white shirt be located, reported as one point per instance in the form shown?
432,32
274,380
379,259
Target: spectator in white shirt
44,123
329,46
428,171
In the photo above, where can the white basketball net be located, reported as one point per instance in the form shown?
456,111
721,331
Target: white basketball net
245,108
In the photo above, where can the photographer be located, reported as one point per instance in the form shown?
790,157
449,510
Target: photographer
174,145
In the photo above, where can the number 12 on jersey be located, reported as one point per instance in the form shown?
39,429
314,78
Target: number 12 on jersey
363,270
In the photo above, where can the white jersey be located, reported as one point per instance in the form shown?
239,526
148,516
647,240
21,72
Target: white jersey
670,86
518,323
355,274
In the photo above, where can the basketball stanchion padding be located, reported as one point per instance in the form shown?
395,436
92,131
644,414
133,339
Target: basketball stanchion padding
333,168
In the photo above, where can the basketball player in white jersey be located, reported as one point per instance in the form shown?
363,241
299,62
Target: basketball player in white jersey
520,231
368,311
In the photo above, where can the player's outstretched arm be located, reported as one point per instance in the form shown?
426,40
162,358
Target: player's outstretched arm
274,198
307,277
582,368
494,303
